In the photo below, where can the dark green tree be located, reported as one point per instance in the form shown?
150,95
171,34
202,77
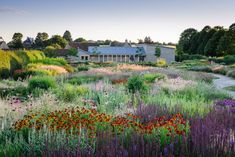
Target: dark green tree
16,42
184,42
202,40
67,36
41,41
157,51
148,40
80,40
57,39
211,46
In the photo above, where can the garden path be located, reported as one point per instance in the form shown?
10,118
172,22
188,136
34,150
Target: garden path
224,81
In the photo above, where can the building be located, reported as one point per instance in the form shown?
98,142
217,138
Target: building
113,54
121,52
167,52
3,44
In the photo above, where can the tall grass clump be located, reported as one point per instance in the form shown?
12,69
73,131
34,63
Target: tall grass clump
44,82
194,100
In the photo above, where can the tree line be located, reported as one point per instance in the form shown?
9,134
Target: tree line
41,41
215,42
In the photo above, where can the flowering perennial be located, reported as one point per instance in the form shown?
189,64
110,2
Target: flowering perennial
75,120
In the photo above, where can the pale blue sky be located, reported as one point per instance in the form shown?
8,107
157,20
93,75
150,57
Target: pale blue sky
162,20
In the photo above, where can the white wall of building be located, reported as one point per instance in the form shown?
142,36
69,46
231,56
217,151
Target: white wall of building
166,52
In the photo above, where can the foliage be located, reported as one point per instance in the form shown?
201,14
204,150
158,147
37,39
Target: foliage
136,84
69,92
201,68
56,39
51,61
14,60
216,41
230,88
67,36
78,80
73,52
191,57
231,73
42,83
157,51
151,78
229,59
82,68
41,41
161,62
16,42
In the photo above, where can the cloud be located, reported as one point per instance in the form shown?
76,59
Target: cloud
11,11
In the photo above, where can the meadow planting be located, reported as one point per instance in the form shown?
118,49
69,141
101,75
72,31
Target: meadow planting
48,108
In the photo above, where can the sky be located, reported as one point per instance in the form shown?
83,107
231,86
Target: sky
162,20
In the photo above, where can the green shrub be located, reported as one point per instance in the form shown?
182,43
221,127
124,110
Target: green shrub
161,62
229,59
19,91
42,83
201,68
84,79
136,84
70,92
231,73
150,78
190,57
145,64
217,60
82,68
230,88
22,74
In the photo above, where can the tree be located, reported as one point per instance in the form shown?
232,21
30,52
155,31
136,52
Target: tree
80,40
148,40
232,27
41,41
184,42
157,51
201,40
57,39
16,42
140,41
226,44
211,46
67,36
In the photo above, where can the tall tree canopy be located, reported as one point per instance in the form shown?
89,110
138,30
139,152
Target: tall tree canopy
216,41
41,40
80,39
67,36
184,42
57,39
16,42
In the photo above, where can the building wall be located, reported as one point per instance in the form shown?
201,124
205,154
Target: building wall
166,53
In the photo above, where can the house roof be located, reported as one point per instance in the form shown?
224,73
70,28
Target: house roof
116,50
82,45
62,52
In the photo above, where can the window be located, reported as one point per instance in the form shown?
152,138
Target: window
86,58
82,57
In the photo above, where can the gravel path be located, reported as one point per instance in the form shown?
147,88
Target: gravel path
224,81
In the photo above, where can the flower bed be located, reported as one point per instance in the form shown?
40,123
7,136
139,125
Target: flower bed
75,120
